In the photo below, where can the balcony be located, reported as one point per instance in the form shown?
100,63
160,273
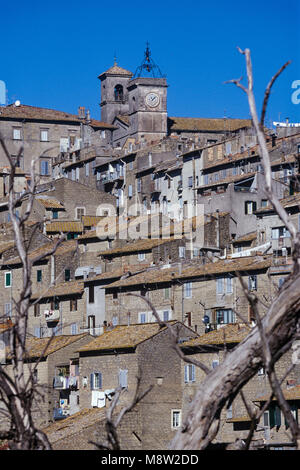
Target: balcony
66,382
52,316
281,242
112,177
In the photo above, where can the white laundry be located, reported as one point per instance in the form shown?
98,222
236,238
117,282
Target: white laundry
98,399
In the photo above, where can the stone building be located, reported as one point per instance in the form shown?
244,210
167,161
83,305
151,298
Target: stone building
51,362
142,356
44,133
271,429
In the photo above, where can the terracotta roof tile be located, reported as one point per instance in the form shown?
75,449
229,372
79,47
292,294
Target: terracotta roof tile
158,275
60,290
64,247
231,333
42,347
245,238
64,226
50,203
122,337
117,70
207,124
292,393
44,114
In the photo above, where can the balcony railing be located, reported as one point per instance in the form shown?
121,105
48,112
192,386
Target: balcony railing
52,315
111,177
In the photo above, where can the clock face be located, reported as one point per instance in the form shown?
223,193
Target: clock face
152,99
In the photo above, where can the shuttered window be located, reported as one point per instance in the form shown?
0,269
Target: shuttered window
123,378
189,373
96,380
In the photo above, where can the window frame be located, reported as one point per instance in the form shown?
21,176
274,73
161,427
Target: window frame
6,285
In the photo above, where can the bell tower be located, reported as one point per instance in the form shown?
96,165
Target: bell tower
147,100
114,94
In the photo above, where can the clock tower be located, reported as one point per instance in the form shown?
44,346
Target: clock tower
147,100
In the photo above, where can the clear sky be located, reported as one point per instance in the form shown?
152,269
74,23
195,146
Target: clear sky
53,51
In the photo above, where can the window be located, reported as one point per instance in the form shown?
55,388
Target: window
123,378
74,329
91,294
67,275
7,309
130,165
224,315
252,282
166,315
181,252
37,332
96,381
229,412
176,419
167,293
73,305
215,363
17,133
55,214
54,305
264,203
280,232
77,173
187,290
130,190
80,212
118,93
139,185
142,317
281,281
7,279
220,285
103,135
44,135
37,310
229,285
190,182
91,321
44,167
87,169
39,275
188,317
250,207
141,256
189,373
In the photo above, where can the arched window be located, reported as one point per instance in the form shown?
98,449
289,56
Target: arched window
118,93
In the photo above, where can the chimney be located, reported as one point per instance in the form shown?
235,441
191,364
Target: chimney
88,116
81,112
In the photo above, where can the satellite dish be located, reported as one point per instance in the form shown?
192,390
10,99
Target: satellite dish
17,103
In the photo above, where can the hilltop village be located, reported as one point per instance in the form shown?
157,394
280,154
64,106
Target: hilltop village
153,208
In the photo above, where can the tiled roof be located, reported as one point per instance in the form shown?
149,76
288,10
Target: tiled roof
228,180
61,290
72,424
136,246
64,247
44,114
158,275
117,70
4,246
39,347
207,124
231,333
90,220
123,118
292,393
249,237
122,337
64,226
50,203
5,325
287,202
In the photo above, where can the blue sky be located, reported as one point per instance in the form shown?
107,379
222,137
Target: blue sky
52,52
